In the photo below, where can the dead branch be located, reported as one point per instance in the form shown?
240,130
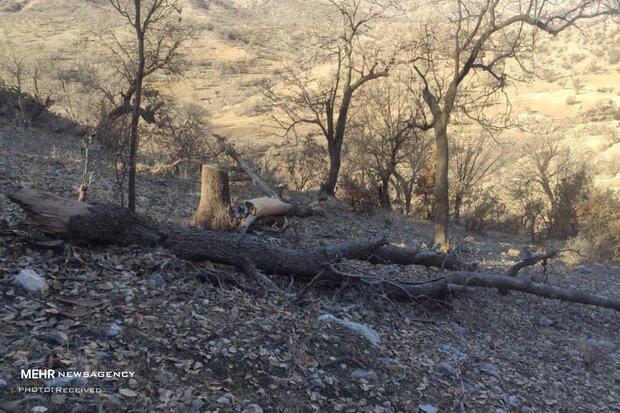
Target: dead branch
512,272
106,223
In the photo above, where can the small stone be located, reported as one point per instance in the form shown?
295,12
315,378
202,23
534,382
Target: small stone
453,350
3,383
200,317
318,383
514,400
544,321
369,375
492,370
446,369
584,269
225,399
388,361
461,331
39,409
253,408
31,282
363,330
428,408
114,329
157,280
197,405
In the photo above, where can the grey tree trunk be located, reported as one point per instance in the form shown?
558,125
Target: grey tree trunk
135,117
442,201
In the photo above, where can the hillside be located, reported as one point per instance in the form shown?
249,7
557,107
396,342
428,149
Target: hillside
233,333
200,347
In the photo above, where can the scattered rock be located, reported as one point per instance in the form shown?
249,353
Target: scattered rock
224,400
461,331
388,361
492,370
369,375
39,409
584,269
197,405
452,350
314,379
157,280
361,329
31,282
428,408
446,369
3,382
253,408
417,244
114,329
514,401
544,321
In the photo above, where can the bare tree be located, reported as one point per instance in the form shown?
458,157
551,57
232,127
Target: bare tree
549,184
473,39
473,160
406,178
157,42
25,83
324,102
383,134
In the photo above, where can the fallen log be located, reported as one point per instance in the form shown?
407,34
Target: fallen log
113,224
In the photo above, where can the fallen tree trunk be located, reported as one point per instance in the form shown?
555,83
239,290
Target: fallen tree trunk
113,224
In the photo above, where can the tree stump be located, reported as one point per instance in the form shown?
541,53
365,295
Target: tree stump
214,208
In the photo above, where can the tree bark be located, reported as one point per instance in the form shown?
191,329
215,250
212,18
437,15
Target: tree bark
214,208
442,200
384,192
113,224
135,117
334,149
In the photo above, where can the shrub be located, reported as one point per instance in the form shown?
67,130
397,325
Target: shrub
614,56
569,190
484,212
304,164
598,219
356,191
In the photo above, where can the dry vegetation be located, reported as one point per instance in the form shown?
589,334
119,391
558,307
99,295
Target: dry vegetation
313,102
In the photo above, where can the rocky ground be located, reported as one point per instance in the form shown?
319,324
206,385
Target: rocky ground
199,347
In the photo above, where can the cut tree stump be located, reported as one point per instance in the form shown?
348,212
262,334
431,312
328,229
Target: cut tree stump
214,208
106,223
